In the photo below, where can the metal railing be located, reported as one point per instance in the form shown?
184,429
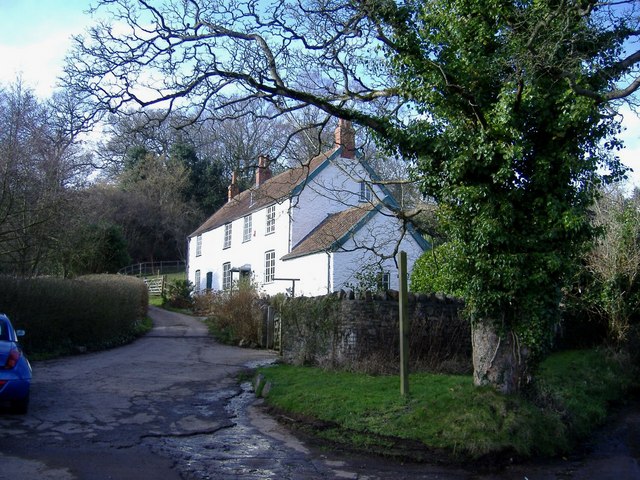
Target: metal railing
153,268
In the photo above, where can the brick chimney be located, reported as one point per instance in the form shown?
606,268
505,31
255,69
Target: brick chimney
233,188
346,138
263,173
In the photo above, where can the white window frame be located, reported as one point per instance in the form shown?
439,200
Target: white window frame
227,235
196,281
226,276
365,192
269,266
384,281
198,245
247,229
270,226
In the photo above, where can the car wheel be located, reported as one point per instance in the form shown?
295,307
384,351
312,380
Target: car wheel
20,406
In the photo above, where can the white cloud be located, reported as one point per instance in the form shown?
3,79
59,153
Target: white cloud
38,63
630,155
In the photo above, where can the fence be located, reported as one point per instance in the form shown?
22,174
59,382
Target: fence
153,268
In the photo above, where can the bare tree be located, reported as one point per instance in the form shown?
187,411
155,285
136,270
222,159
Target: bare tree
220,54
614,260
40,165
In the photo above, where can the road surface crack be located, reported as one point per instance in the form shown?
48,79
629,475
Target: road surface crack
195,433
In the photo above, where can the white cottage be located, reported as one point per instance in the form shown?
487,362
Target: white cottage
317,228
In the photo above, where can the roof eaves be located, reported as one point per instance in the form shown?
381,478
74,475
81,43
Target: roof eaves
356,227
419,239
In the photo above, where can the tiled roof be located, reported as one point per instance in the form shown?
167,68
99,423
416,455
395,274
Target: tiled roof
331,232
255,198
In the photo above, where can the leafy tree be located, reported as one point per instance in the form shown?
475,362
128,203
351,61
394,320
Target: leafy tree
511,153
207,184
156,217
432,272
503,108
134,156
98,248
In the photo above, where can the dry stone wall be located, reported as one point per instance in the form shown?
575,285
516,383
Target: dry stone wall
362,334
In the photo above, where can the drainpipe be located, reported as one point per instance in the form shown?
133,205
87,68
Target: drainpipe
328,272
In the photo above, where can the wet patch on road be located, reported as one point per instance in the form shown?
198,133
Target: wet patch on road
238,451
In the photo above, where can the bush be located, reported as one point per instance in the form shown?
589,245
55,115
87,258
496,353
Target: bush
179,294
63,316
235,317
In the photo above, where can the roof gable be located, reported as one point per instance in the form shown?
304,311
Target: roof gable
275,189
338,227
333,231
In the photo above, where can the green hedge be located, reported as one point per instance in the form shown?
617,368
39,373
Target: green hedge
63,316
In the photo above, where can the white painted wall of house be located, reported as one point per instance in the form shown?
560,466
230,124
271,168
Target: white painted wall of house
330,191
335,188
240,253
380,234
312,270
204,262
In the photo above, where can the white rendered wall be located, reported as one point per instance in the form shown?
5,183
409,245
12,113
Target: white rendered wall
382,235
204,262
335,188
240,253
313,272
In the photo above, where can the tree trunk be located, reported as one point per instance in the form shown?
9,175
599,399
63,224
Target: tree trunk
500,362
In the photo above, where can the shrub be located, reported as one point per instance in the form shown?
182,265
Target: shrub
235,317
179,294
62,316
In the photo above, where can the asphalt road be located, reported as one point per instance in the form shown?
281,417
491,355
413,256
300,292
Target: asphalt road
110,415
168,407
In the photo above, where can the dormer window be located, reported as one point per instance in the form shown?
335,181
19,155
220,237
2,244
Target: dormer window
365,192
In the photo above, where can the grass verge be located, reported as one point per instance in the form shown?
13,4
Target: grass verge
446,418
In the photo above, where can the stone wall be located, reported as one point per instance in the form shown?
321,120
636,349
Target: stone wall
340,331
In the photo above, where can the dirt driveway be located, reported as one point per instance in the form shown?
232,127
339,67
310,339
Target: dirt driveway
168,407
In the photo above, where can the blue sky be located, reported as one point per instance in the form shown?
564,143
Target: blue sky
35,34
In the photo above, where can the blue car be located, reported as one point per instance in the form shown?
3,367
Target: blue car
15,370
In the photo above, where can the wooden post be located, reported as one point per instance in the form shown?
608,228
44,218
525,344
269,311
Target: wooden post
280,349
404,326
